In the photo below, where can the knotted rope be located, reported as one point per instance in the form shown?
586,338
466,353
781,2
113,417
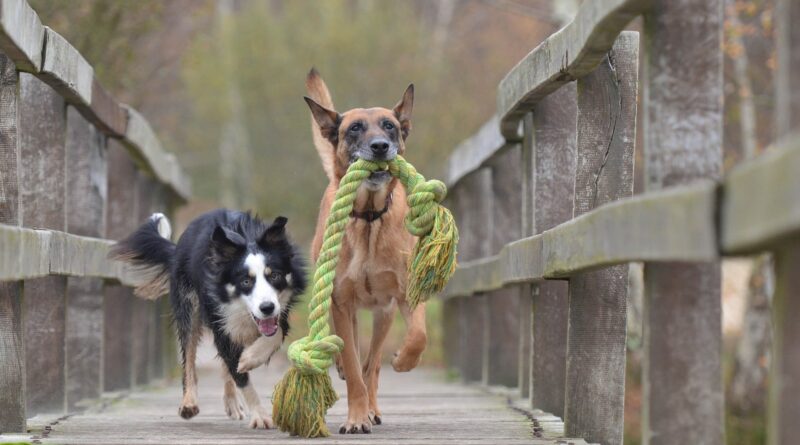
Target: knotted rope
305,393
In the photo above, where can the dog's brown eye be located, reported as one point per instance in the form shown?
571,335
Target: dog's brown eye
388,125
246,282
356,127
274,276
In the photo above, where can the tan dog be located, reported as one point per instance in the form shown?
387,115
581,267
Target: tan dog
373,260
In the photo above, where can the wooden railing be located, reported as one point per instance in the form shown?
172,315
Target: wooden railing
77,170
543,197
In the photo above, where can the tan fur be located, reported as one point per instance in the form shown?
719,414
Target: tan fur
372,266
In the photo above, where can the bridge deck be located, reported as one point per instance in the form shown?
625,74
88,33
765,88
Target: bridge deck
420,407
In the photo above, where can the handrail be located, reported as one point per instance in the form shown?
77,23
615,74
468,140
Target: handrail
623,231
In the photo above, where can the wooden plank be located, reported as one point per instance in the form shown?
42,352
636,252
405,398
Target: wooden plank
751,223
595,391
86,195
65,69
12,349
111,117
504,304
784,390
553,164
683,137
146,150
42,123
142,331
21,34
615,233
472,153
569,54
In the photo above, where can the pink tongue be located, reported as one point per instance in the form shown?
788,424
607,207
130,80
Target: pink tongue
268,326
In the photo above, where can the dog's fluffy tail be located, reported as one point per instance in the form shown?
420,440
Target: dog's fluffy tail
149,248
318,91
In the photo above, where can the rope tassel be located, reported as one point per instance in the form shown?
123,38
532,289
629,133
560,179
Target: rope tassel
305,393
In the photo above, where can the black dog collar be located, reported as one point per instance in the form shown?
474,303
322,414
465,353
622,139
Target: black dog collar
372,215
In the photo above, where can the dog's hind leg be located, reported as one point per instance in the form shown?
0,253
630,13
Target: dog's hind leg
189,328
410,354
357,400
381,323
231,397
230,354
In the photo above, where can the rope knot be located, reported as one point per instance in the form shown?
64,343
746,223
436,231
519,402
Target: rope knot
314,356
423,203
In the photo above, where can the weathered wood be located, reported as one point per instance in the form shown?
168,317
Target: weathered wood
595,391
683,398
472,153
143,332
473,207
86,197
122,215
21,34
42,124
12,350
615,233
750,223
146,150
553,163
65,69
784,388
111,117
504,304
569,54
527,229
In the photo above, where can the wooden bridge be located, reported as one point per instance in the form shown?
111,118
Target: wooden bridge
535,317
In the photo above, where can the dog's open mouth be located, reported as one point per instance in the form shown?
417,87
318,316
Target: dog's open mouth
267,326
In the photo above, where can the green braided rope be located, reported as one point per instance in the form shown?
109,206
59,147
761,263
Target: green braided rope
303,396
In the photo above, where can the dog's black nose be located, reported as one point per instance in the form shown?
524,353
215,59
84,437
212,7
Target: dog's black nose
267,308
379,146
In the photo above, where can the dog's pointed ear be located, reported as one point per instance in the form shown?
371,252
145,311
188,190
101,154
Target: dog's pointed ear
227,242
402,110
275,233
328,120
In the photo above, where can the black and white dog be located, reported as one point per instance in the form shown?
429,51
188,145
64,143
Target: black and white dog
232,273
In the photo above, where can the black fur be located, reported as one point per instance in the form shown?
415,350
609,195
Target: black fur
208,256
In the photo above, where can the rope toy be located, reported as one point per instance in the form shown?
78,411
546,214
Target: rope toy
305,393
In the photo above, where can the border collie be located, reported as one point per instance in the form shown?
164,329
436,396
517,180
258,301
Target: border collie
235,275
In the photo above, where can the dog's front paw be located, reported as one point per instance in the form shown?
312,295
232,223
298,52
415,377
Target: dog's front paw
404,361
356,424
233,407
188,410
260,418
375,417
249,361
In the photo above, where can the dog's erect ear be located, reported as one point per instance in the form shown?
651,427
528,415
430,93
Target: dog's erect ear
328,120
226,242
403,110
275,233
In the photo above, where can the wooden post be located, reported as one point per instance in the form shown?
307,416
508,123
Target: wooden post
595,392
503,305
86,197
12,350
118,302
473,202
553,160
784,390
42,123
525,322
142,333
683,398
